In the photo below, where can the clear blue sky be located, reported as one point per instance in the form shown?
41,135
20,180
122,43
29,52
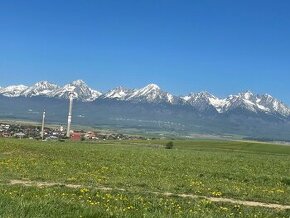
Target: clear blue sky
220,46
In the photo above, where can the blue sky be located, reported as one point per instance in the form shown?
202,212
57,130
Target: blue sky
223,47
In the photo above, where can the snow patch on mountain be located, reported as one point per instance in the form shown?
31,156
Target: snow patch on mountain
217,103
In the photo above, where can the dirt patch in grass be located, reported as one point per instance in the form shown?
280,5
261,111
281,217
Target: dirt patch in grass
168,194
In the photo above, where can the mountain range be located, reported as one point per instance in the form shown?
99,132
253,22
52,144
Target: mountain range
245,113
152,93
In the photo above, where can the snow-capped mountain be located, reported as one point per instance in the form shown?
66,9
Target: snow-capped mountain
202,101
152,94
245,100
273,105
119,93
42,88
80,89
256,103
13,91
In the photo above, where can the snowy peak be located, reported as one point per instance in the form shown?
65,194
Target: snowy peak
94,95
147,90
256,103
45,85
152,94
197,96
204,101
119,93
242,100
42,88
13,91
247,95
80,89
273,105
246,100
78,82
151,86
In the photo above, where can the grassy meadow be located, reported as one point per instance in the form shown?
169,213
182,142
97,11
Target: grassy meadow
137,173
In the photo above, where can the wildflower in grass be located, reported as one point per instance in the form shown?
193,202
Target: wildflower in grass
196,183
205,202
84,190
225,209
216,193
237,206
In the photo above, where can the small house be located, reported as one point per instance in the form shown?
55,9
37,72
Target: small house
76,136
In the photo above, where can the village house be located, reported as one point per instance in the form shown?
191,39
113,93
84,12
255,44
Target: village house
76,136
90,135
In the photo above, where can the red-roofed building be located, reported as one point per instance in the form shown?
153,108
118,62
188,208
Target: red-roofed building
76,136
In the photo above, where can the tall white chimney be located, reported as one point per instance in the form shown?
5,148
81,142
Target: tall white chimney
69,115
42,126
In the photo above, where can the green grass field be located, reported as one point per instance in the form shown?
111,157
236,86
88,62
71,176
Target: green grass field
138,173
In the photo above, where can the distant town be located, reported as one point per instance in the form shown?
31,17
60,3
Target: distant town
34,132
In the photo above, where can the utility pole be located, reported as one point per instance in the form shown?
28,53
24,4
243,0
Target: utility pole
69,115
42,126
